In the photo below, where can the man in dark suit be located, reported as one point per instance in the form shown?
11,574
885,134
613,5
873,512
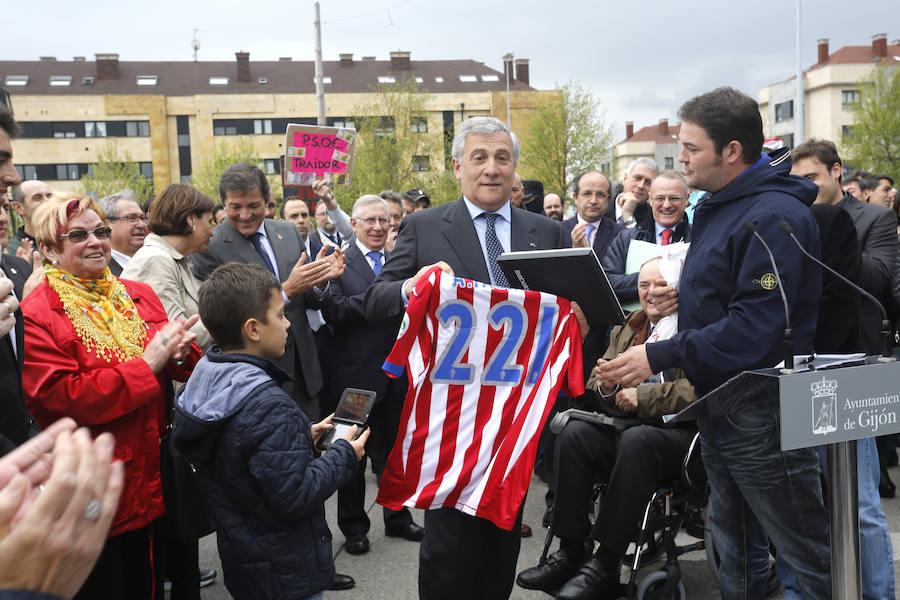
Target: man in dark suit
628,199
16,425
589,227
876,229
464,556
358,351
247,237
129,228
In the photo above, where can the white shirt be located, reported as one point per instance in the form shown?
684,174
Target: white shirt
365,252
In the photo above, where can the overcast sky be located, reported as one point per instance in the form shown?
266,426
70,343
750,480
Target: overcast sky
642,59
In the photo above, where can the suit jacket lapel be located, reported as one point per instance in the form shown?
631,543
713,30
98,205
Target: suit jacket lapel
522,233
459,233
280,249
240,246
358,263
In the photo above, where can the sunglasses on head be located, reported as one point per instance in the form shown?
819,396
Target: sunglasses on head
79,235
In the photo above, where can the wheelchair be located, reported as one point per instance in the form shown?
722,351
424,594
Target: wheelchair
675,506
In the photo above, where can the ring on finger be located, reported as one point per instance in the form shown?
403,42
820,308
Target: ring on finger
92,510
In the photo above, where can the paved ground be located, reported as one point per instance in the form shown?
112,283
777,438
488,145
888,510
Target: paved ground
389,571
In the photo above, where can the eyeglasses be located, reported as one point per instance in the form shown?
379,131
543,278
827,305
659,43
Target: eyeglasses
369,221
79,235
131,219
587,194
669,198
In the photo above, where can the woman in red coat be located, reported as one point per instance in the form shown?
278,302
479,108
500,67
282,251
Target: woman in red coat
101,351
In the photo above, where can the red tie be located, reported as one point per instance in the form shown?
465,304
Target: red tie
666,236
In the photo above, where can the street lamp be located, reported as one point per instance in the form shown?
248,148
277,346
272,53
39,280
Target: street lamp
507,67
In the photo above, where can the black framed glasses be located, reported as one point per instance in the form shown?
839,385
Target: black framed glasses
79,235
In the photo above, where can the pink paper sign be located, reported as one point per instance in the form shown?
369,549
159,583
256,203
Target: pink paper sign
324,153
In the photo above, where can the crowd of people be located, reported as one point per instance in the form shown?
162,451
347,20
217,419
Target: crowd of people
201,346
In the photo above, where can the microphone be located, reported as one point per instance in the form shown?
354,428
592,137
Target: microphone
886,341
750,226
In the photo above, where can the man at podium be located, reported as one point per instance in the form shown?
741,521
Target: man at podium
732,319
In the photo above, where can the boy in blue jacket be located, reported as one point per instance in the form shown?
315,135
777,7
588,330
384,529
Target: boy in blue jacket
254,448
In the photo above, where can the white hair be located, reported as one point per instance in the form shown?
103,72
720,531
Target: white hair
483,126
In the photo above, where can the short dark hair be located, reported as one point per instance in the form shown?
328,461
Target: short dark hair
285,201
888,177
860,173
232,294
577,181
171,209
869,182
823,151
726,114
244,177
8,123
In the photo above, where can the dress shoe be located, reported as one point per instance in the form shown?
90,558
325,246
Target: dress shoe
342,582
207,577
593,582
525,531
357,544
549,575
410,531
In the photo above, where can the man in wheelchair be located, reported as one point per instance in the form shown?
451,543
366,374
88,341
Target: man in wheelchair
633,462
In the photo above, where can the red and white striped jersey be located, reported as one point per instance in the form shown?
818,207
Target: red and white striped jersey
485,366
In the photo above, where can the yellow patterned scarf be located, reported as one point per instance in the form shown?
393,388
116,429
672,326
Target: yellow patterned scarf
102,313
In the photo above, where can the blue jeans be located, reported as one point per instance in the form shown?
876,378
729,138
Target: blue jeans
756,488
876,556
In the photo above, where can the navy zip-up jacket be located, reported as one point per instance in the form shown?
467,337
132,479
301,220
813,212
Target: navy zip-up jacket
265,487
730,316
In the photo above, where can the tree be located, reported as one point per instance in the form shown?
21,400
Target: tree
206,176
113,173
874,143
396,147
567,134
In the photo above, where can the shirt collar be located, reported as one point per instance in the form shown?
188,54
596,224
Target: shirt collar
365,249
474,211
594,223
660,228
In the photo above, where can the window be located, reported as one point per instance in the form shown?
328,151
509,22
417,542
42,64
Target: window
95,129
418,125
26,172
262,81
344,124
271,166
326,80
87,80
849,98
438,79
604,167
147,79
186,179
137,128
16,80
66,129
419,80
146,169
490,78
847,131
387,79
60,80
385,126
468,78
218,81
184,139
784,111
67,172
421,163
262,126
787,139
669,162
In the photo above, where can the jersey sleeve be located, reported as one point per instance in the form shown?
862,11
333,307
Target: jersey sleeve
575,369
413,321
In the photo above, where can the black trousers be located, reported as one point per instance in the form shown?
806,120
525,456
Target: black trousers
467,557
384,422
634,463
127,569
